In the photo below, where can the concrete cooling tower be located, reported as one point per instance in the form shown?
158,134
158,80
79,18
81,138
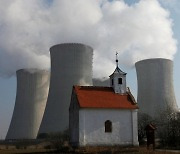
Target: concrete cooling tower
155,86
31,98
71,64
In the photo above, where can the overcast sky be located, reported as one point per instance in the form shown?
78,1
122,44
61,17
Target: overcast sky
136,29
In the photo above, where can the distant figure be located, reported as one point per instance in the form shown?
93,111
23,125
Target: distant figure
150,134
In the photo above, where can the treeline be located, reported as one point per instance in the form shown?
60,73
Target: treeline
168,128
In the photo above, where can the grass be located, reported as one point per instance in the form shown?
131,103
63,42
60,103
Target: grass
89,150
42,147
24,151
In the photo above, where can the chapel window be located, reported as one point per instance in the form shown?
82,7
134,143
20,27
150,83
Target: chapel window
108,126
119,80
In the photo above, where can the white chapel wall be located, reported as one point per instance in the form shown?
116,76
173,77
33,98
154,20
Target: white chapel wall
92,132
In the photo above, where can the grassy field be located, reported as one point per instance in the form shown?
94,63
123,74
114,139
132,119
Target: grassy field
89,150
48,146
24,151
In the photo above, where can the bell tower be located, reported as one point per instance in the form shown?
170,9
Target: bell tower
118,79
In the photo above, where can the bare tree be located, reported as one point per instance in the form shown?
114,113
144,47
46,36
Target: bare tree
143,120
169,129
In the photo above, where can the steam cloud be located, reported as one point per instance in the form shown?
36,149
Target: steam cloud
28,28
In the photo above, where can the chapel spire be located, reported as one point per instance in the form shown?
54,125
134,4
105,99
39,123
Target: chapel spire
116,59
118,79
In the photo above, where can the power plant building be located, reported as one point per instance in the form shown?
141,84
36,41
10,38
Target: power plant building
71,64
155,86
31,98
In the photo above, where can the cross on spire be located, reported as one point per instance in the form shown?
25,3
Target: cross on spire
117,59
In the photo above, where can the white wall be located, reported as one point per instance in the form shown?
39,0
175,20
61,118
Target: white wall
119,88
91,125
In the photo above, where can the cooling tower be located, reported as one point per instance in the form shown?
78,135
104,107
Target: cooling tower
71,64
31,98
155,86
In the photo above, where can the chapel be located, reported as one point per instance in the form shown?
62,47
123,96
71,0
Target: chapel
104,116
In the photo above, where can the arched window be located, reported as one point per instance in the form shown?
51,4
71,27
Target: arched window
108,126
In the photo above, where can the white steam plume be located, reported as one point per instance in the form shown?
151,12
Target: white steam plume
29,27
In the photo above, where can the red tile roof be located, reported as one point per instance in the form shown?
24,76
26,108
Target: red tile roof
103,97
